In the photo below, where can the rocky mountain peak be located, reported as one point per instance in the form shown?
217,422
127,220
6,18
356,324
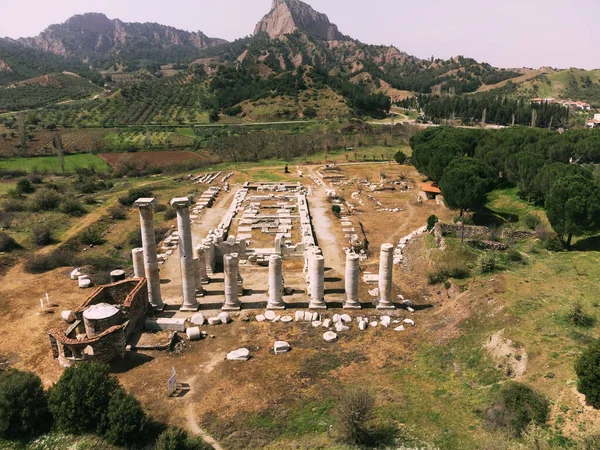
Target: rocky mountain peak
287,16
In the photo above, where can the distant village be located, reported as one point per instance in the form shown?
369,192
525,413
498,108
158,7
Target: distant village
583,106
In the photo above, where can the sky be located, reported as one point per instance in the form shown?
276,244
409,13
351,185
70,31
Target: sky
504,33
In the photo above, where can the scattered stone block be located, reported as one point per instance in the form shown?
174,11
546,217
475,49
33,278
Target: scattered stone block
224,317
308,316
75,274
363,325
400,328
68,316
193,333
339,327
164,324
374,324
84,282
346,318
327,323
214,321
299,316
270,315
281,347
315,316
409,321
336,317
242,354
276,319
317,323
198,319
260,318
329,336
409,309
286,319
386,321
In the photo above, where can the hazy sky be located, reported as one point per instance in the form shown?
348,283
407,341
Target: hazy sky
504,33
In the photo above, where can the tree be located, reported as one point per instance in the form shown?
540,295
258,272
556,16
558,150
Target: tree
80,398
400,157
125,421
431,221
466,183
587,368
573,207
58,146
23,405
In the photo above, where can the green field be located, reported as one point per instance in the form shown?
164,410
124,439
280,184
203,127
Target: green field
52,163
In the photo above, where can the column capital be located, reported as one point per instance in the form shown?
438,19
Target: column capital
181,202
146,203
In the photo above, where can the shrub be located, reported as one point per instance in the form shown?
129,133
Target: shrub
170,214
24,409
487,263
80,398
515,406
135,237
354,412
71,206
41,235
514,256
24,186
444,272
178,439
92,236
7,243
13,205
133,194
431,221
125,422
45,200
118,213
335,209
531,221
400,157
554,244
587,368
40,263
35,178
579,317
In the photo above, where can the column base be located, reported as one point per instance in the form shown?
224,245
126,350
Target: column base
383,306
275,307
201,293
231,308
205,281
352,306
190,308
159,308
321,305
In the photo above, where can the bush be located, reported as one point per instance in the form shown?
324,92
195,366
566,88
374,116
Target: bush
80,398
45,200
24,187
13,205
41,235
532,221
554,244
134,194
7,243
354,412
41,263
431,221
487,263
335,209
125,422
514,256
92,236
170,214
118,213
24,409
400,157
587,368
135,237
515,407
442,274
35,178
178,439
71,206
579,317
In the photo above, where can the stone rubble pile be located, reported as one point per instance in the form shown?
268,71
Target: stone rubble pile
399,251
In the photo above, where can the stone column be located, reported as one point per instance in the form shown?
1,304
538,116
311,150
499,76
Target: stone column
278,244
209,245
186,254
317,283
386,264
352,270
201,275
146,205
275,283
232,302
137,255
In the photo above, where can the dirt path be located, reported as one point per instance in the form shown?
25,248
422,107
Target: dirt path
194,428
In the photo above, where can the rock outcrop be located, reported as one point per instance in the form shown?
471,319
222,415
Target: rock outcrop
287,16
4,67
95,36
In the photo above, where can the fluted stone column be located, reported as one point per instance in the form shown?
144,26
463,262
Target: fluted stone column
201,275
232,302
137,255
146,206
209,245
317,283
352,270
386,264
275,283
186,254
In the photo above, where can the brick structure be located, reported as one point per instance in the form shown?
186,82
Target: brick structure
103,325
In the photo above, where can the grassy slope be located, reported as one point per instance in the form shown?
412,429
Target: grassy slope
52,163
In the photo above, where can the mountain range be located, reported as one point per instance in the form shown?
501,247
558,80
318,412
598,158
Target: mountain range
290,38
